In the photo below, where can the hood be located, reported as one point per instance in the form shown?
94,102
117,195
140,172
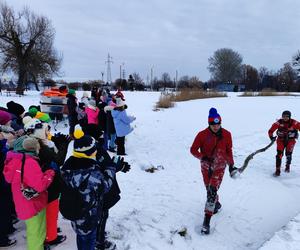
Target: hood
12,163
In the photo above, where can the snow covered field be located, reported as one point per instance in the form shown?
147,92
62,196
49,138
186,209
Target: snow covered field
155,206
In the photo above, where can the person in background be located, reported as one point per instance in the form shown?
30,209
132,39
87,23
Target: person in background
213,147
122,124
6,223
287,132
72,114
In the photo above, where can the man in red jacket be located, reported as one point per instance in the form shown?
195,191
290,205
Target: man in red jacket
287,133
213,146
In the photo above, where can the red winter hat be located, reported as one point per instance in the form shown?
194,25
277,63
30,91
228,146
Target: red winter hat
5,117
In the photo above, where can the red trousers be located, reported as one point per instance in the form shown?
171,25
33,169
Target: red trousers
52,210
289,147
212,177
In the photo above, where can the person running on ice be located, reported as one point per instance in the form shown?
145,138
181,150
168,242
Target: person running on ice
287,133
213,147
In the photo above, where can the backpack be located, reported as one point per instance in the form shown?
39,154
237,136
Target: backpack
72,205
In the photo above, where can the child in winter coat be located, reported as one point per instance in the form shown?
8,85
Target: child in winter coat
111,130
23,171
72,114
49,153
113,195
122,124
92,112
82,172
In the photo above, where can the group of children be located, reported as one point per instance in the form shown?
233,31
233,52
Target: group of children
35,174
104,112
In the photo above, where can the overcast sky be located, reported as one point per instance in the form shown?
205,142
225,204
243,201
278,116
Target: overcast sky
168,35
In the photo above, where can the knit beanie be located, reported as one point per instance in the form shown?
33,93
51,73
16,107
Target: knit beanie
71,91
15,108
84,144
31,144
35,127
92,103
214,117
32,111
5,117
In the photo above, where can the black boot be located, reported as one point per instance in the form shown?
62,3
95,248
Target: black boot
287,168
217,207
59,239
206,227
277,172
7,243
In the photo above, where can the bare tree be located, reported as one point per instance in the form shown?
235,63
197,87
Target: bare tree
26,45
225,65
296,62
250,77
286,77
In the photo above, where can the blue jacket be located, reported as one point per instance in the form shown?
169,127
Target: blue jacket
122,122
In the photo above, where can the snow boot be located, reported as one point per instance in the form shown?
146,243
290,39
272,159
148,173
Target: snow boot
206,227
59,239
107,245
287,168
277,172
7,243
217,207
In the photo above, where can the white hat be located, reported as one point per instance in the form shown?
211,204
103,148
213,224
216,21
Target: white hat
120,102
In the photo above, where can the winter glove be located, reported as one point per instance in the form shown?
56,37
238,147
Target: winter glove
54,167
232,170
272,138
207,159
59,139
120,164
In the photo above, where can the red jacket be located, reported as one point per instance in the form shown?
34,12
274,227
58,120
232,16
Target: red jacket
219,149
285,130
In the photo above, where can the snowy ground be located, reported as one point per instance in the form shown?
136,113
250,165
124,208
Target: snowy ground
154,207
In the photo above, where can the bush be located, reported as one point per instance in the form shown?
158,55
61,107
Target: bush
167,100
266,92
164,102
188,94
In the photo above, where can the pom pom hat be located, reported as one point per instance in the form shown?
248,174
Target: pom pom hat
84,144
213,117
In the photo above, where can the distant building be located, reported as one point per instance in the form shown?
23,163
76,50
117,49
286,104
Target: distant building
229,87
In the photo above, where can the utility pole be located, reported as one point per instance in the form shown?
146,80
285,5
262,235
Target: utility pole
102,75
151,78
108,70
176,78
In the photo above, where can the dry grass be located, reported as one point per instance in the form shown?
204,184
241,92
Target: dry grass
164,102
187,94
267,92
168,100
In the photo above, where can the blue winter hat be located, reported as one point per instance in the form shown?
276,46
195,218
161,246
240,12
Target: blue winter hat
214,117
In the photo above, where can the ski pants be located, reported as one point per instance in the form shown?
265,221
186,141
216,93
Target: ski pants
101,227
36,231
51,220
6,209
212,177
288,147
120,141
